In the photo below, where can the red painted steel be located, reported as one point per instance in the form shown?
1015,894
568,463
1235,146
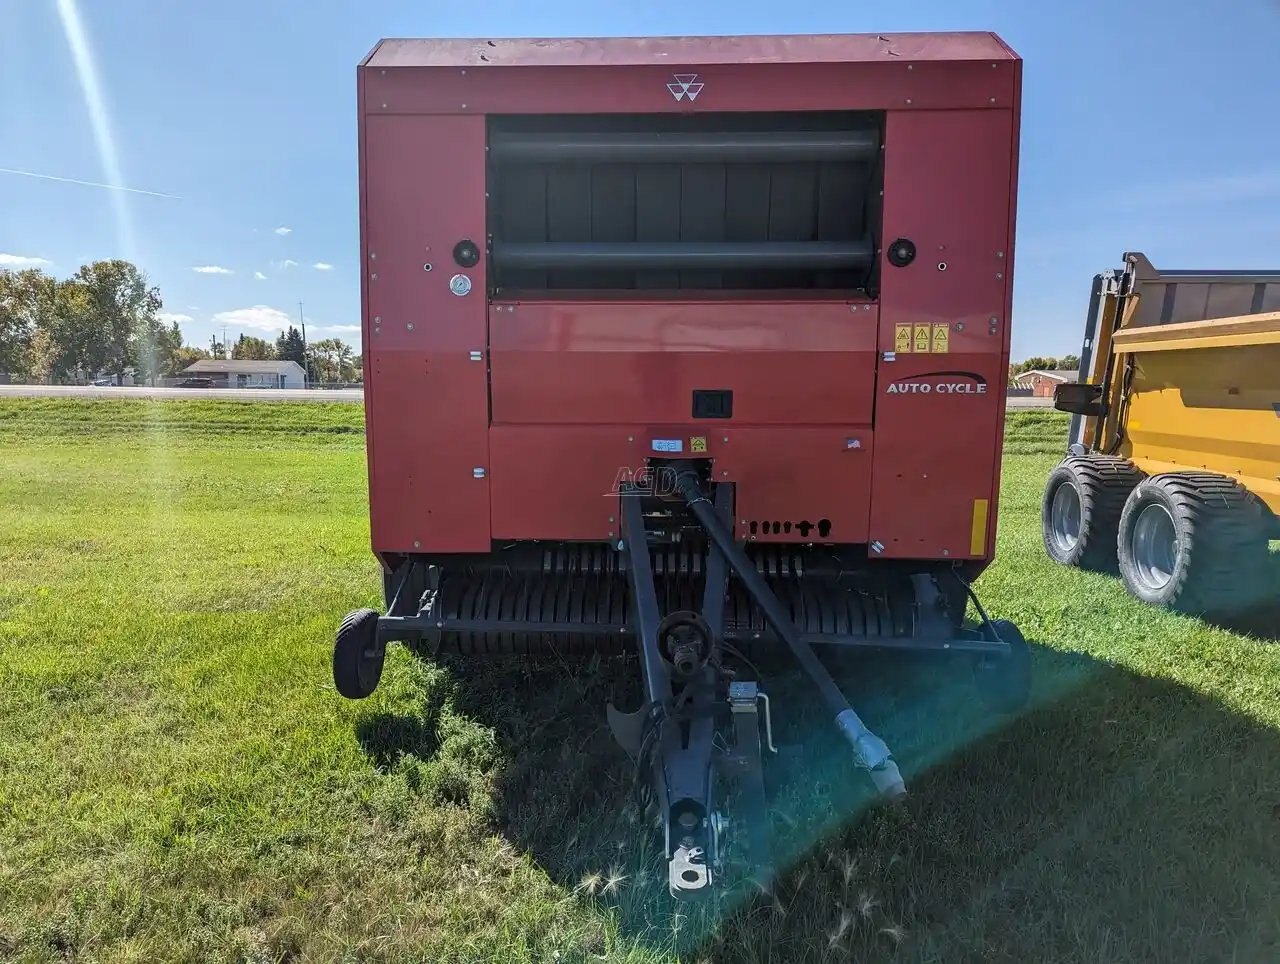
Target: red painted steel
426,402
582,384
937,444
563,479
898,85
664,51
609,362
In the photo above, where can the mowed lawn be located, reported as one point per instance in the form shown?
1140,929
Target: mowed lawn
179,780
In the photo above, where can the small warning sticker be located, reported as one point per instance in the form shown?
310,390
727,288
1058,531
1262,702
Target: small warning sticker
902,339
941,338
698,443
923,337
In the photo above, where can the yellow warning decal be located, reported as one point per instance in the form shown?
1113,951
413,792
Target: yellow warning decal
923,337
941,338
978,534
698,443
902,339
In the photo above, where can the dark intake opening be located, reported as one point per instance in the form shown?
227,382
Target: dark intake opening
684,201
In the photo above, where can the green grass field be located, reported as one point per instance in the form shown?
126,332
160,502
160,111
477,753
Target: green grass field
179,780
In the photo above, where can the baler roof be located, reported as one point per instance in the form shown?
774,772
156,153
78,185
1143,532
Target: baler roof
678,51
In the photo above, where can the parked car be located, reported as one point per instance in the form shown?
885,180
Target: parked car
195,382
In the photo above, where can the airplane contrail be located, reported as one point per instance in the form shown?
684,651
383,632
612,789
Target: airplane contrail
76,180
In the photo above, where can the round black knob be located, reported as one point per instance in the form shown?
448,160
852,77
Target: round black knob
466,254
902,252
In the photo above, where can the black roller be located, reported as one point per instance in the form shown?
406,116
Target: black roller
683,147
683,255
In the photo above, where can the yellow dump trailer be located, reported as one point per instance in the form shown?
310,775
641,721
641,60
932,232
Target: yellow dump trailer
1173,472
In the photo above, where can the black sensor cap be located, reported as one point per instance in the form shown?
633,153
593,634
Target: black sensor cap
902,252
466,254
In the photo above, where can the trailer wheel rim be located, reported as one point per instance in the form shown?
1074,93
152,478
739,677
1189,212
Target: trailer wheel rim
1155,547
1064,518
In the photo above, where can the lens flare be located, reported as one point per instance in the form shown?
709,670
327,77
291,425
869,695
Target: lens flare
99,119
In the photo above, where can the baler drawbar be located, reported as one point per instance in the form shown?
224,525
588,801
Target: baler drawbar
682,348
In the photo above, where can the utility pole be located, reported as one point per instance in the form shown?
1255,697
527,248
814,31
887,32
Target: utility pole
306,356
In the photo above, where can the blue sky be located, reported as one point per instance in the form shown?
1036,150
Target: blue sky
1147,125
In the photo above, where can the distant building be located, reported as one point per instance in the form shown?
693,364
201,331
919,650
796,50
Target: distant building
226,373
1043,383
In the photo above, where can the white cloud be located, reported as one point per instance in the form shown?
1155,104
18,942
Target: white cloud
284,265
212,269
282,231
259,317
170,317
322,266
259,276
342,328
22,261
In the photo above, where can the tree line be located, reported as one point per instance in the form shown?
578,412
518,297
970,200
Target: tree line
104,320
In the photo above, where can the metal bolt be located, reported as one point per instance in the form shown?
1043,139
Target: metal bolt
478,356
417,544
373,277
378,319
959,326
911,66
383,73
942,266
610,518
610,533
409,326
426,266
631,438
724,472
372,256
477,472
999,275
908,101
877,546
384,106
464,73
993,100
946,552
464,106
994,320
725,439
999,254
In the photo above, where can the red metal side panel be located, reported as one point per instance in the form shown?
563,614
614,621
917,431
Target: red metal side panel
948,179
623,362
426,402
560,481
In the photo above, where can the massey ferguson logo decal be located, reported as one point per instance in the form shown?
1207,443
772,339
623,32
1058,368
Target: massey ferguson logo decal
685,85
943,383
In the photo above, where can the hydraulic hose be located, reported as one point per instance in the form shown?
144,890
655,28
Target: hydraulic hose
869,750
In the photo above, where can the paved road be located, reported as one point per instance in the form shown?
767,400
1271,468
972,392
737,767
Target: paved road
234,394
261,394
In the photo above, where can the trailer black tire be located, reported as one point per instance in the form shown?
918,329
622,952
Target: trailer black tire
357,657
1216,563
1004,682
1095,488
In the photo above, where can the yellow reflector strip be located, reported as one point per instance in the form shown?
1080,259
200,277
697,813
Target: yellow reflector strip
978,534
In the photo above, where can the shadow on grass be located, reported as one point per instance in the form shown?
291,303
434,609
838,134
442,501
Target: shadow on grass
1119,818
